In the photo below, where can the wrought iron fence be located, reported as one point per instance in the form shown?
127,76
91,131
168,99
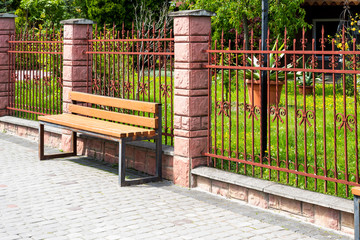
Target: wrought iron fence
35,72
311,134
134,64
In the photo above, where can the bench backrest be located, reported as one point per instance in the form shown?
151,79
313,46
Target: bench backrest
148,107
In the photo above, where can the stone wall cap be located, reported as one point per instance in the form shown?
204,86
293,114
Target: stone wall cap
77,21
276,189
192,13
28,123
7,15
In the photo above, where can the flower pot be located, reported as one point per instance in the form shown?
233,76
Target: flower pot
257,93
308,89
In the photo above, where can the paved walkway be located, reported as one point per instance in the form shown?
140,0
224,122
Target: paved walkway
79,198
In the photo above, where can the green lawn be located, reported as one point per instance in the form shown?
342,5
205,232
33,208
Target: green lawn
37,96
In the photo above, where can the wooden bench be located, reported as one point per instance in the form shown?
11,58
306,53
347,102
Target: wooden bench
108,123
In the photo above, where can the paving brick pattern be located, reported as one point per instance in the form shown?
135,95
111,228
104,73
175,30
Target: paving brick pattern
79,198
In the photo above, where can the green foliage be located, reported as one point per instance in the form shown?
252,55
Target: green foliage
307,78
46,13
274,62
105,11
118,11
38,95
345,40
244,15
348,84
9,6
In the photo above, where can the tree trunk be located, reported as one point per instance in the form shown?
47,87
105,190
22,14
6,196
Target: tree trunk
246,31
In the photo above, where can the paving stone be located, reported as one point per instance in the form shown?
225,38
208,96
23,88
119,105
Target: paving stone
79,198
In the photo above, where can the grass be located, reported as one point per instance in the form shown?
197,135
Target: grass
318,145
37,96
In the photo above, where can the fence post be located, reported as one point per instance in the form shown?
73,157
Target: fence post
75,64
7,27
191,31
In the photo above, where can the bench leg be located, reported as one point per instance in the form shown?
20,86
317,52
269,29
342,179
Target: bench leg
356,217
159,145
158,155
74,143
122,162
41,142
42,155
122,166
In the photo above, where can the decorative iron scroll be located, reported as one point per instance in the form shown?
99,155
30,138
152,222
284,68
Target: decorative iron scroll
278,112
346,121
224,107
305,116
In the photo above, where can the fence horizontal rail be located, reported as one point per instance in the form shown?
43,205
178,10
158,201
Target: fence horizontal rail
133,40
33,52
288,52
27,111
284,69
281,169
38,42
132,53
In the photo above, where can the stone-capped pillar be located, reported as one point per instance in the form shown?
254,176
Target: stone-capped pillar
75,64
191,31
7,27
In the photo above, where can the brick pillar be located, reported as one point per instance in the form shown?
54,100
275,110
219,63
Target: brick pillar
191,31
75,65
7,26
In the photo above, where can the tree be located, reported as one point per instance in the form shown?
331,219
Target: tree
46,13
245,16
119,11
9,6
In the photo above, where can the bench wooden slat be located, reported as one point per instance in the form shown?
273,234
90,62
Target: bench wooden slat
115,102
115,116
355,191
97,126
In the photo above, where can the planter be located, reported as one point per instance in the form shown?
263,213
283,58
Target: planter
257,94
308,90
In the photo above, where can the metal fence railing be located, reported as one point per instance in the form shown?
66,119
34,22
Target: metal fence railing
134,64
35,73
309,135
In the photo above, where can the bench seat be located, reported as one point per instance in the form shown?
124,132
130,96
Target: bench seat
115,130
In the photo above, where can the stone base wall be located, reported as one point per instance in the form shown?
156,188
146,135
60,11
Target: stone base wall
141,158
309,212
